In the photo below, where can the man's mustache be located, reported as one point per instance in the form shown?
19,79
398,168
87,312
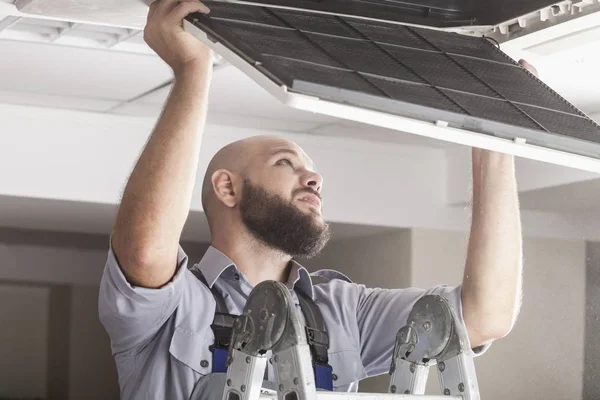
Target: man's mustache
309,191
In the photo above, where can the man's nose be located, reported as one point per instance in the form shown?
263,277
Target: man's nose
313,180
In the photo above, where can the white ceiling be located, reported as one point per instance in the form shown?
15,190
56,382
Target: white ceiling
97,73
106,69
68,33
81,73
120,69
110,70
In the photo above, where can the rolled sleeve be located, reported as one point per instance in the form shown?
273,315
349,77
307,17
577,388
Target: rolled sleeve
131,315
382,312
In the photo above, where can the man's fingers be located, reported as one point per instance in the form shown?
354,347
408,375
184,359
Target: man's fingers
166,3
173,11
152,10
529,67
187,7
165,6
159,9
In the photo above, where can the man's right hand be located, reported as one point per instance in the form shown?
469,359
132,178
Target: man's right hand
164,33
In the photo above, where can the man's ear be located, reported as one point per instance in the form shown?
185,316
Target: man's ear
224,187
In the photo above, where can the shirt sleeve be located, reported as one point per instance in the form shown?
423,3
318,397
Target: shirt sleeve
382,312
131,315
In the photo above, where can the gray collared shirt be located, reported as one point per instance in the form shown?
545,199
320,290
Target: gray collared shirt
160,338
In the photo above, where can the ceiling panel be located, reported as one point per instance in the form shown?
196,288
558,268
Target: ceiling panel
70,33
80,72
130,13
44,100
138,110
156,98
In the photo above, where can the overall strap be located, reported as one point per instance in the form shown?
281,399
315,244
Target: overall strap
222,327
318,340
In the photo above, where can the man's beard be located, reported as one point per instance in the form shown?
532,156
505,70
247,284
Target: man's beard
279,224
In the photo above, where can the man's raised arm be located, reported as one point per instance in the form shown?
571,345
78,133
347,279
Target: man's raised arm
492,281
158,195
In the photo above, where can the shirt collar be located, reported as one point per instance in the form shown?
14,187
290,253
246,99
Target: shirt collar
215,263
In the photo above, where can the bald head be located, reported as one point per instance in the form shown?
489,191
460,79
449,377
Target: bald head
235,158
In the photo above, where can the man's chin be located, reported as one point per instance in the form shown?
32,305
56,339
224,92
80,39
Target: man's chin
317,216
310,210
320,223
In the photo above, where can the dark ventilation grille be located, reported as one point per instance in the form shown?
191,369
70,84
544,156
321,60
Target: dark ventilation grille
416,72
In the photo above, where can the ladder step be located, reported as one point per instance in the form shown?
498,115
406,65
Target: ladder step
271,395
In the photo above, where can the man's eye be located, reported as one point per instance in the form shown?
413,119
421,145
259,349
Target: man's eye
285,161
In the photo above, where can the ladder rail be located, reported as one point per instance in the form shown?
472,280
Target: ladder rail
433,333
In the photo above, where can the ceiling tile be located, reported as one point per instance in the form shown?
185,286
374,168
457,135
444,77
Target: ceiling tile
130,13
79,72
138,110
43,100
69,33
157,97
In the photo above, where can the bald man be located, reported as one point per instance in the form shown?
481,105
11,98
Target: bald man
262,198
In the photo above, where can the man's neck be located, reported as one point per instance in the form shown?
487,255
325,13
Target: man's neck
255,260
